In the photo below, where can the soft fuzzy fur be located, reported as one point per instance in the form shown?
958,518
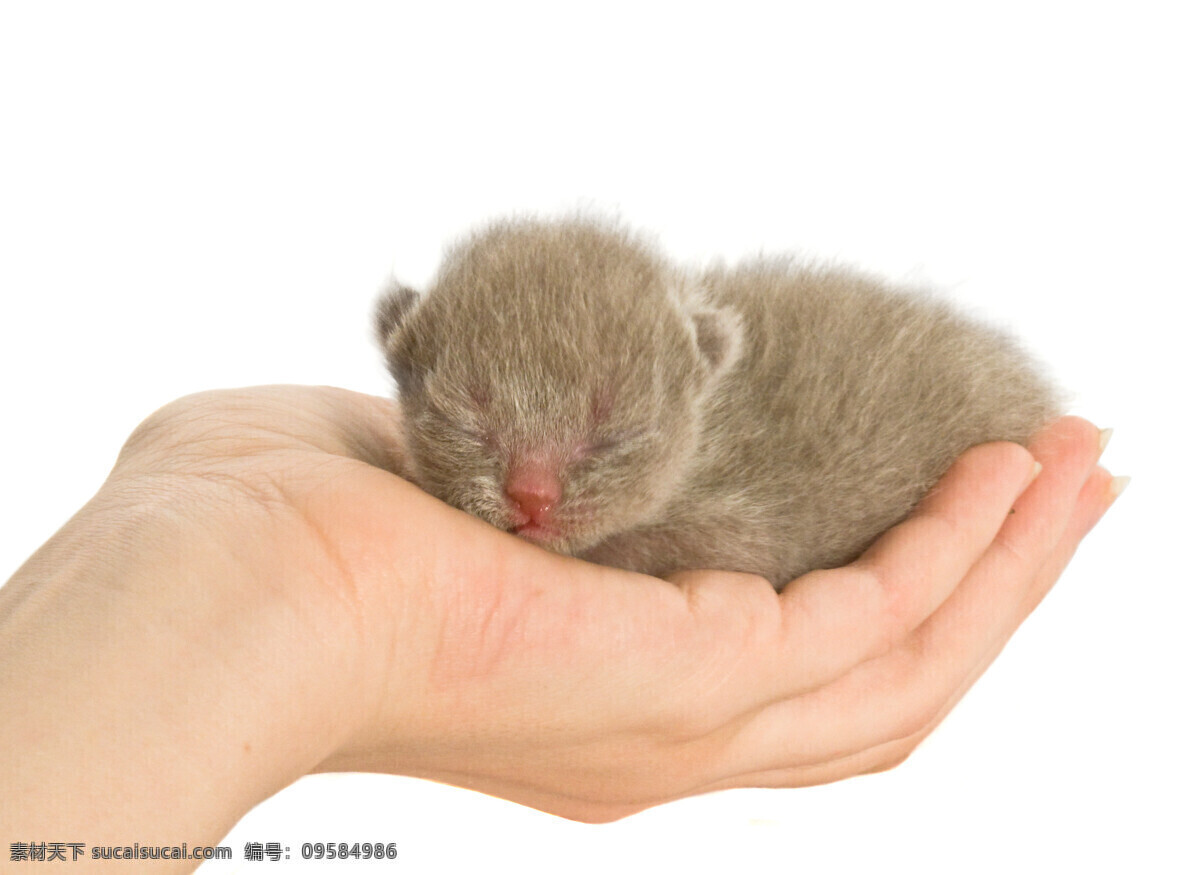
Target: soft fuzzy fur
769,418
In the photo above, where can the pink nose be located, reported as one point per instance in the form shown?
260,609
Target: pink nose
534,489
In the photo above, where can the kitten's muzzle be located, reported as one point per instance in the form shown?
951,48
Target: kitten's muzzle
533,491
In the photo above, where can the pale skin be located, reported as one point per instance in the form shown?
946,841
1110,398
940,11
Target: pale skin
252,597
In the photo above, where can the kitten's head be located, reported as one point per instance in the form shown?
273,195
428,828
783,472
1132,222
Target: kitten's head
552,379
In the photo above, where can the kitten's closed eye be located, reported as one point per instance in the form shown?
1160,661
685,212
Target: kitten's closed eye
608,444
452,424
483,439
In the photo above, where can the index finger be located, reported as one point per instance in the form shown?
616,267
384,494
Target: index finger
838,618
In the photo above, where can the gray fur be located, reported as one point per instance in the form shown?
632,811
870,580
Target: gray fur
769,418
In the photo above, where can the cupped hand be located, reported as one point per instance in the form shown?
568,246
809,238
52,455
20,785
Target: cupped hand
253,595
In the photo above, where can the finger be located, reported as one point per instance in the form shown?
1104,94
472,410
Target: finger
899,694
1095,498
1069,452
909,686
837,619
1093,501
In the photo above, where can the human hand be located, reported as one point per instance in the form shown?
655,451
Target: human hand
251,597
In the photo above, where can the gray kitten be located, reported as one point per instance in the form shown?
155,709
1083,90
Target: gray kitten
563,381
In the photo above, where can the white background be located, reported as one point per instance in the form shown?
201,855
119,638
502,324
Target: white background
210,195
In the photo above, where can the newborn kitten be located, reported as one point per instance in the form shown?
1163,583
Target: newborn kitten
563,381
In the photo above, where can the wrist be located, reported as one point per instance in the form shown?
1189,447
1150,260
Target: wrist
171,728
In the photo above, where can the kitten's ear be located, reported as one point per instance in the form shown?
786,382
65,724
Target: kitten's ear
395,305
718,336
717,330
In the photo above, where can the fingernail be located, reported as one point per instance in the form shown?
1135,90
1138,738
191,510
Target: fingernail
1105,434
1117,486
1037,469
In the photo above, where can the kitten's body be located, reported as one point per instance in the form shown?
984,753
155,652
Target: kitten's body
563,380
